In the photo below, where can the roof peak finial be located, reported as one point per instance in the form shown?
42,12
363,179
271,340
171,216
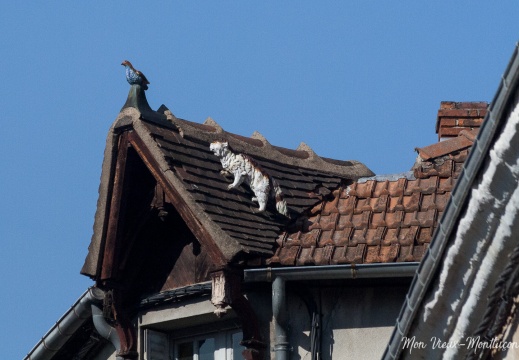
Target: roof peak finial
139,83
137,99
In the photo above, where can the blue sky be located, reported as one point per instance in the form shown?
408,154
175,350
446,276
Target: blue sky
357,80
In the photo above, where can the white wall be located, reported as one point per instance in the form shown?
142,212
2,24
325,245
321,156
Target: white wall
356,321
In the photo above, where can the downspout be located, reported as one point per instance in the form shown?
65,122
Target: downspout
105,330
281,345
279,276
70,322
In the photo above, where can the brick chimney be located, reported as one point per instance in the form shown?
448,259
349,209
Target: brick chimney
454,117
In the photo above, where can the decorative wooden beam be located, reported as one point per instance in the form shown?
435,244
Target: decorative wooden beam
124,327
159,202
224,288
110,246
226,291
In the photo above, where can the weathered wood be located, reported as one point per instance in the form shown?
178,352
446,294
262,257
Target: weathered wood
124,327
110,250
226,290
183,272
131,238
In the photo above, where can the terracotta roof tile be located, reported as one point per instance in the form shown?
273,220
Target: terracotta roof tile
447,147
288,255
444,159
382,219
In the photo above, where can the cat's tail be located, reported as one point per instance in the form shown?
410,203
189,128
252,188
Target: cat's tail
281,205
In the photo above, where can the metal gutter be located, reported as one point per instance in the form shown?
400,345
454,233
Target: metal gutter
64,328
330,272
433,257
70,322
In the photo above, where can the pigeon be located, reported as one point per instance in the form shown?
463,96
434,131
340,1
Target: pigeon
135,76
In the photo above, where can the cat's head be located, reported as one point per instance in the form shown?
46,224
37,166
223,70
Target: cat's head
218,148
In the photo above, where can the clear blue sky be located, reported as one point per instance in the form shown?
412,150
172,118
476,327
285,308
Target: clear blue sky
357,80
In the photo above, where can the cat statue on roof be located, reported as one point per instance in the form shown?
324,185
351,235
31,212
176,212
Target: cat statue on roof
245,169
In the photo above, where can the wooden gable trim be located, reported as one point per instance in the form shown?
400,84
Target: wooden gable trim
109,253
178,202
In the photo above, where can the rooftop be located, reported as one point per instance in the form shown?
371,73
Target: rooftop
339,211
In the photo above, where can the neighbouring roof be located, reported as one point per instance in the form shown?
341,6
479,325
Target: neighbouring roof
379,219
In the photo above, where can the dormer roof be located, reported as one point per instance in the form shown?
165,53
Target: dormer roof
227,222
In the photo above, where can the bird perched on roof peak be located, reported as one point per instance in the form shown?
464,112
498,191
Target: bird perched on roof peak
134,76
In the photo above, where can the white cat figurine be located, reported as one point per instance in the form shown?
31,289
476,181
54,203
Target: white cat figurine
245,169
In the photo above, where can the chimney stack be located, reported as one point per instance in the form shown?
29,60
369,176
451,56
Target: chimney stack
454,117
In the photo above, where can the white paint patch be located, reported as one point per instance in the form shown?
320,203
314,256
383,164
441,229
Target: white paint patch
503,233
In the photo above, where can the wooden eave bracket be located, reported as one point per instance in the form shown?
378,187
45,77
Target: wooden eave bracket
226,291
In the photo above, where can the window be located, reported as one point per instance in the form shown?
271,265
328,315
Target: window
221,345
217,346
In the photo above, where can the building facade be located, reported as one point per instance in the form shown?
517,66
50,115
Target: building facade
212,245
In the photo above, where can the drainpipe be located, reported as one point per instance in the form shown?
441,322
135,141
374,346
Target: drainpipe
105,330
281,345
70,322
